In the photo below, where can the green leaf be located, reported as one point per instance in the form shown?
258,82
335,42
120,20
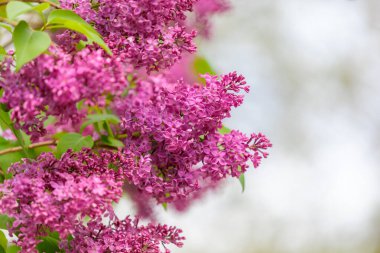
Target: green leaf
165,206
70,20
224,130
242,182
9,28
4,221
3,242
73,141
3,53
95,118
41,7
7,159
13,249
112,142
49,244
201,66
3,12
29,44
16,8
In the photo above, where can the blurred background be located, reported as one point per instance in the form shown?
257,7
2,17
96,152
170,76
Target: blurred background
314,67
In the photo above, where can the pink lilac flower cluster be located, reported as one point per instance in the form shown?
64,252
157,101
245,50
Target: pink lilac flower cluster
172,130
49,195
54,84
124,236
145,33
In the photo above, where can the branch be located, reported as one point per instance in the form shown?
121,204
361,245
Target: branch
35,1
35,145
7,21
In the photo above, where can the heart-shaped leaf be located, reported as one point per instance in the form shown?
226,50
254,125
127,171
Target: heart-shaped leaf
29,44
16,8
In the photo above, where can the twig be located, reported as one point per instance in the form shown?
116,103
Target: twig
7,21
35,145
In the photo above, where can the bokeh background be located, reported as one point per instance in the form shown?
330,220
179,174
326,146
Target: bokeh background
314,67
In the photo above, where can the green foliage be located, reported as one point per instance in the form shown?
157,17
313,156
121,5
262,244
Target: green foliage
29,44
224,130
97,118
111,141
49,244
73,141
69,20
16,8
7,27
2,53
242,182
3,242
7,159
13,249
4,221
202,66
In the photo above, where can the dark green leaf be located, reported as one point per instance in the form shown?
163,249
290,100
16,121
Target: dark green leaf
73,141
48,245
29,44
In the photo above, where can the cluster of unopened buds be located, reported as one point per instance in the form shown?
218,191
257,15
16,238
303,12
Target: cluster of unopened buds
139,129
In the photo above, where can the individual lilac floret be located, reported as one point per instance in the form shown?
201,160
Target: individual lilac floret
50,195
124,236
54,84
172,131
145,33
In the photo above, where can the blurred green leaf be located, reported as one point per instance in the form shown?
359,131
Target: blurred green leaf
16,8
202,66
4,221
29,44
242,182
95,118
3,53
112,142
3,242
7,159
73,141
13,249
49,244
224,130
7,27
70,20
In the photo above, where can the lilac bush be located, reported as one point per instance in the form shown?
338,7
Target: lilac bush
109,97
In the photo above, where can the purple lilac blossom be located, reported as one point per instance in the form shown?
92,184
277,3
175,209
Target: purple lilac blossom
172,131
145,33
54,84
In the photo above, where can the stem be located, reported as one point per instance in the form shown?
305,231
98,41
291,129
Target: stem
35,145
35,1
7,21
